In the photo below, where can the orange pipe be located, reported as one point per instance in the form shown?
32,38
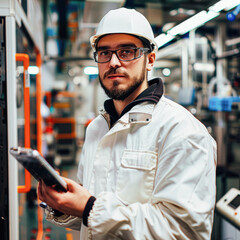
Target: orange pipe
25,59
40,222
64,120
66,94
39,134
69,236
38,103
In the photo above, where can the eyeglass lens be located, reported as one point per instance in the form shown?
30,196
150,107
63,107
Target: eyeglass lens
122,54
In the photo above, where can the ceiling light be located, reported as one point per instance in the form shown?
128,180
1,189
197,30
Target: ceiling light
162,39
196,21
166,72
168,26
190,12
173,12
193,22
76,70
204,67
91,70
178,11
82,81
77,80
33,70
224,4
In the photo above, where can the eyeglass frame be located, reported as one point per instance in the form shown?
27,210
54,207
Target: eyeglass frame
144,50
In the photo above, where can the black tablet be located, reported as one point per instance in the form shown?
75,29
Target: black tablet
39,168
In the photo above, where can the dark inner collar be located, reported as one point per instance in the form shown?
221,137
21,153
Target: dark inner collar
152,94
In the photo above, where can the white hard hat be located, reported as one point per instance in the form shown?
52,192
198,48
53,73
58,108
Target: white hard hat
127,21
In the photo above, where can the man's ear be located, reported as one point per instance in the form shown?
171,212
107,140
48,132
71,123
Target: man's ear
150,60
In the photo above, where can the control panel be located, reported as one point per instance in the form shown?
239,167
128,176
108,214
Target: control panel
229,206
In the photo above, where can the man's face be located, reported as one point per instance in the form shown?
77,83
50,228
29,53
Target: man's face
120,79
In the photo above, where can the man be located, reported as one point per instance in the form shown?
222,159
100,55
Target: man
147,169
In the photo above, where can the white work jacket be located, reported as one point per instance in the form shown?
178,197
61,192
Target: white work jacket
152,173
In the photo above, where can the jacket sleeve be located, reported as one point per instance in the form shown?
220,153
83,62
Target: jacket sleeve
182,201
65,221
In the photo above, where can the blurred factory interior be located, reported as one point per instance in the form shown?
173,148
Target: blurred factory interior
46,61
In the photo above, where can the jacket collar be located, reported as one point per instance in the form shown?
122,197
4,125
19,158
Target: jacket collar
140,113
152,94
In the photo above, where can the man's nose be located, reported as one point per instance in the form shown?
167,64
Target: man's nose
114,61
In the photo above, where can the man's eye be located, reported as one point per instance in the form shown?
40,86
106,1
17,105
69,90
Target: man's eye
126,51
103,53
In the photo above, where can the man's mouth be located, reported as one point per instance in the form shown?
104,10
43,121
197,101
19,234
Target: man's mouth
112,76
115,73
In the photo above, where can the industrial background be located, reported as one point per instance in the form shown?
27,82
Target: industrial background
49,92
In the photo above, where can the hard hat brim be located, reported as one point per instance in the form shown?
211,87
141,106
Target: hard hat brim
95,38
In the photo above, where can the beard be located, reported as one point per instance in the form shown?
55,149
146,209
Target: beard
120,94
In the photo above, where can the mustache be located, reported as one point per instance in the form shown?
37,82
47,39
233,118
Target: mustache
115,71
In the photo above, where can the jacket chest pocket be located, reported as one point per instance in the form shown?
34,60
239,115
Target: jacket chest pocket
136,176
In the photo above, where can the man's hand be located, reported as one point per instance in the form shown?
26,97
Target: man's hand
71,202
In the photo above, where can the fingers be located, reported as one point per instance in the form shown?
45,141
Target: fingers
67,180
42,191
39,191
70,184
45,193
71,202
